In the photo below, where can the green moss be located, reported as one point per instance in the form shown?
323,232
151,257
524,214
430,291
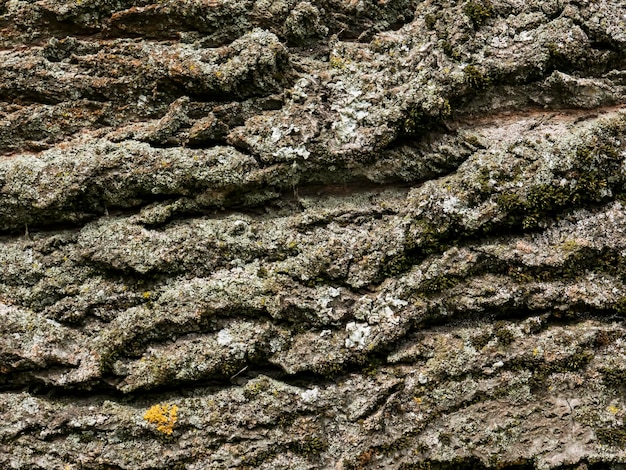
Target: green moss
503,333
542,370
254,460
589,187
319,280
595,153
430,20
449,50
395,265
479,11
438,284
446,110
228,369
416,466
538,380
328,370
480,341
309,446
543,200
432,241
372,366
620,306
615,437
603,338
86,437
558,59
509,201
255,387
474,141
417,122
613,377
107,360
457,463
160,369
522,275
396,445
569,245
576,361
445,438
610,152
475,78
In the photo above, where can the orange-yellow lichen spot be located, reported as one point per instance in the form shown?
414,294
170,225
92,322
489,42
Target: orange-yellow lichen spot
612,409
164,416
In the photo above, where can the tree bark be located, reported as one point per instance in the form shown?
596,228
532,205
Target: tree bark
331,234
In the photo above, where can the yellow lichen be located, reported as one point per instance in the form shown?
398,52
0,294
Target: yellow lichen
337,62
164,416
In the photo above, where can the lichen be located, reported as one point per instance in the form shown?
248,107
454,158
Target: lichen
164,416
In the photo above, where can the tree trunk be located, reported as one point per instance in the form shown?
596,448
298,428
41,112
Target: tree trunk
327,234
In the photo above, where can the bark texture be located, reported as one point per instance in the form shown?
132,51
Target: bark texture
334,234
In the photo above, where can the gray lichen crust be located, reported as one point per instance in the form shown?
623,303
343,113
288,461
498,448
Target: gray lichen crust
312,234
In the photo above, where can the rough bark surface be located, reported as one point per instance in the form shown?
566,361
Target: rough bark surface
342,234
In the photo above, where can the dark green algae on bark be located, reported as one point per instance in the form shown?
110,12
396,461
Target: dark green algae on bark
327,234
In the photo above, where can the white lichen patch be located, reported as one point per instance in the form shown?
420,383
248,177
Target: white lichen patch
292,153
224,338
334,291
451,205
352,112
357,335
276,135
298,92
328,297
380,310
310,396
30,405
524,36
